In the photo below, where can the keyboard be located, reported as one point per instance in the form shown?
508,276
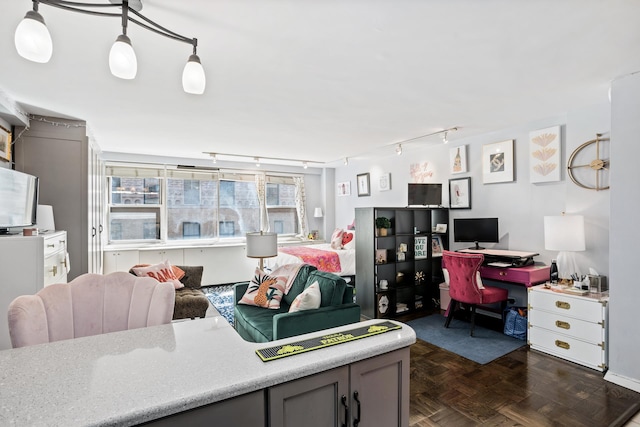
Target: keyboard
499,264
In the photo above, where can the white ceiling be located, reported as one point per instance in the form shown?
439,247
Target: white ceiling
324,79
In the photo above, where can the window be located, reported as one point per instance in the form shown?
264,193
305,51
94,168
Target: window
164,204
192,198
281,205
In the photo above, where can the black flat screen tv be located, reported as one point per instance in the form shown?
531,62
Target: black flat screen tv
18,199
425,194
476,230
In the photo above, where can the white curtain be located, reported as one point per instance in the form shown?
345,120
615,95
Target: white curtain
300,204
261,188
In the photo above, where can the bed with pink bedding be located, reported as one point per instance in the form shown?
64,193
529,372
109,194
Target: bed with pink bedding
338,261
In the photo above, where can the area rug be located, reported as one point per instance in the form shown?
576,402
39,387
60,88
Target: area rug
486,344
221,297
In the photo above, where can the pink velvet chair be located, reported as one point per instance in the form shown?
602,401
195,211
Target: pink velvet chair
91,304
463,275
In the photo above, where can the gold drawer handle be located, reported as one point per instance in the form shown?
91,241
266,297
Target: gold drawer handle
563,325
54,270
563,305
51,245
562,344
502,273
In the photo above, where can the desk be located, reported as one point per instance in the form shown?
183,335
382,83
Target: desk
515,279
528,276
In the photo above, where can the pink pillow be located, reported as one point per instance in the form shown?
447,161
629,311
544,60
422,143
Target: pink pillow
161,272
264,290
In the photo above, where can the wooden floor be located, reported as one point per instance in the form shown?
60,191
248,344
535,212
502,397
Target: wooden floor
522,388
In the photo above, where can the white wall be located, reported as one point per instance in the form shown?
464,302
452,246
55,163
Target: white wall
519,205
624,340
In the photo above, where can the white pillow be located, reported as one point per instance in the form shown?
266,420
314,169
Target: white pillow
336,238
445,273
308,299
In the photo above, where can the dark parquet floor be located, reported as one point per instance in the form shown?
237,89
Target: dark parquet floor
522,388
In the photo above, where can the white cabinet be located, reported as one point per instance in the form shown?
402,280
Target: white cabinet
372,392
573,327
29,263
71,180
117,260
155,256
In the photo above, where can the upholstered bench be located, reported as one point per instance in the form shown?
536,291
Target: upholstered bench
191,302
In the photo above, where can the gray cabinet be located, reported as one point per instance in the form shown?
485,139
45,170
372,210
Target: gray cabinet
71,180
408,257
372,392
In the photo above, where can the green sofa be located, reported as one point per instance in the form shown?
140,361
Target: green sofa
257,324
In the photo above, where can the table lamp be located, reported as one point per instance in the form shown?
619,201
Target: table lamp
262,245
565,233
44,218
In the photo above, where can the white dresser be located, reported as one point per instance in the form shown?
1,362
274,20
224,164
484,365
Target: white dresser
573,327
29,263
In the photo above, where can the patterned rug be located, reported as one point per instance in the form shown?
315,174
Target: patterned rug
221,297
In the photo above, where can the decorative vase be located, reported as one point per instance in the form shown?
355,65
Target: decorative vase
382,232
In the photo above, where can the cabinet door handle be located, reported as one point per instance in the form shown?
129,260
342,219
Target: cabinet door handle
563,344
93,232
54,270
100,228
563,305
346,411
357,419
51,245
563,325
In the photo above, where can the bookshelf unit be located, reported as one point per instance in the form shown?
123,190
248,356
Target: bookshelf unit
405,292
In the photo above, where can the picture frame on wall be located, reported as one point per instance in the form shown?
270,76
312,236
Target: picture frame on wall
385,182
458,159
344,188
497,162
544,151
420,247
460,193
364,188
5,144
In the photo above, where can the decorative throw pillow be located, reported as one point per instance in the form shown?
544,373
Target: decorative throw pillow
179,273
308,300
264,290
162,272
336,238
348,240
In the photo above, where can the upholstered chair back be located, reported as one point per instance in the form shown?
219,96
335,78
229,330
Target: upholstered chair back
463,278
91,304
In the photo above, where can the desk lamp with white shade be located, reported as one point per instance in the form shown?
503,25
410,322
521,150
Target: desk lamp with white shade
565,234
262,245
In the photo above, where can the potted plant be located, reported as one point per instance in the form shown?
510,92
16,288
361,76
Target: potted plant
382,224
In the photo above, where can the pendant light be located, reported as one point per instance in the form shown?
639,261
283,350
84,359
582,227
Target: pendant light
193,78
122,58
32,38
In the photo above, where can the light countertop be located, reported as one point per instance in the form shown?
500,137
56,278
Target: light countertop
126,378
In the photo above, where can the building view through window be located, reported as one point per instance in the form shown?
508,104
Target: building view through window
206,208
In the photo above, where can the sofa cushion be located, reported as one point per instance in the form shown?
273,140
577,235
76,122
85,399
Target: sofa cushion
331,287
264,290
192,276
190,303
299,284
255,322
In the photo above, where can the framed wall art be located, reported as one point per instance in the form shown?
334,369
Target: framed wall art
344,188
436,246
458,159
460,193
544,152
385,182
5,144
363,185
497,162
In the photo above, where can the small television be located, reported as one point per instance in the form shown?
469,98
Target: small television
476,230
18,199
425,194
